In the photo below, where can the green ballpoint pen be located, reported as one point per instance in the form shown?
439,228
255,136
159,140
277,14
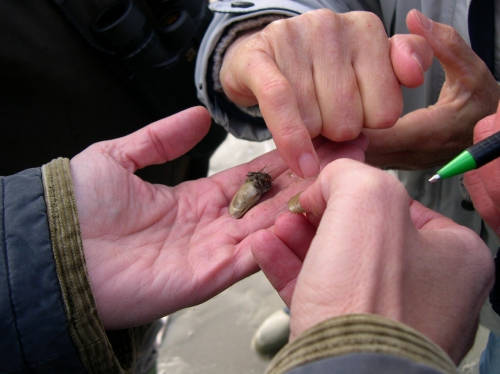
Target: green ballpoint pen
472,158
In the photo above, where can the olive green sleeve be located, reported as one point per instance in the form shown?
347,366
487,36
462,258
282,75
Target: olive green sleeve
360,333
84,324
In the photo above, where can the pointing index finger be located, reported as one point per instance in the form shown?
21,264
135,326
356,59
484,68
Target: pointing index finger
279,108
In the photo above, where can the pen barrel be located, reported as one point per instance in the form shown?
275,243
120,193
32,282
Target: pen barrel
486,150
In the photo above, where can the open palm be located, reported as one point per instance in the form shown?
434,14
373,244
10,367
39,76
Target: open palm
151,249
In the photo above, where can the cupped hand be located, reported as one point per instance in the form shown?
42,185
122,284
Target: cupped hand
376,251
483,183
151,249
434,135
322,73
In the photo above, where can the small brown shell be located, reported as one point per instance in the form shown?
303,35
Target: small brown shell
256,184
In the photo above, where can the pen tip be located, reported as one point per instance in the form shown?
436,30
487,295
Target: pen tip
434,178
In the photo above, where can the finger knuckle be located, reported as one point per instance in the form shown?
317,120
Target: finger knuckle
381,183
367,21
288,133
274,88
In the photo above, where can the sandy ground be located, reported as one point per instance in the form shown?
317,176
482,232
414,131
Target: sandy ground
214,338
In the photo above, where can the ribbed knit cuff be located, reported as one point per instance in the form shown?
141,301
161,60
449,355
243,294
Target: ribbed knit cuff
360,333
225,42
231,36
84,324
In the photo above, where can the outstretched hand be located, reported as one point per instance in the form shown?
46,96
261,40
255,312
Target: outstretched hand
151,249
376,251
434,135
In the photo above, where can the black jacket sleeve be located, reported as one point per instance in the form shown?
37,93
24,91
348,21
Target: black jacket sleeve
33,326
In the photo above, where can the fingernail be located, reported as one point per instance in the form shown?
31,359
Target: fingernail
294,204
308,165
423,20
417,59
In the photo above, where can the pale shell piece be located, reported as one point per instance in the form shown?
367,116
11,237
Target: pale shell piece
246,197
256,184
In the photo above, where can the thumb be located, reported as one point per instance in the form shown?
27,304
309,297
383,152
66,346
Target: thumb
411,57
487,127
160,141
454,54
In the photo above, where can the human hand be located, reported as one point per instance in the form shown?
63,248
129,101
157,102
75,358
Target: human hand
151,249
322,73
376,251
483,184
432,136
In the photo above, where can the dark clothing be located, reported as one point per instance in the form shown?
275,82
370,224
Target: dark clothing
60,96
31,303
49,321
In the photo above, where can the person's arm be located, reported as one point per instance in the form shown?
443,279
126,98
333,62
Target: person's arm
319,72
421,139
226,26
366,250
483,185
90,250
230,20
49,316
